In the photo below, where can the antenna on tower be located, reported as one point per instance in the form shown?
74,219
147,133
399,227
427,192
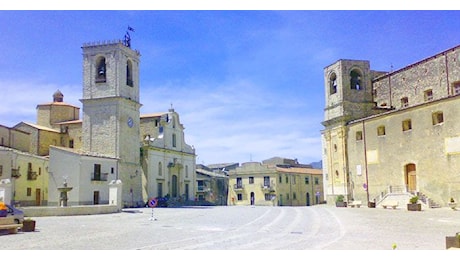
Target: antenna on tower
127,40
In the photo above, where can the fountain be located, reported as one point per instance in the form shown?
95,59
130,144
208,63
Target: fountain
63,190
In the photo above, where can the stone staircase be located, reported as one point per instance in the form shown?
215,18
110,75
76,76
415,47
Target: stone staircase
400,194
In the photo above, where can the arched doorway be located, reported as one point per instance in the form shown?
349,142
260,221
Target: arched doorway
174,186
410,175
308,199
252,198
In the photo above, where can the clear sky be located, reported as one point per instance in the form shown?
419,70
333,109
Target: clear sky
248,85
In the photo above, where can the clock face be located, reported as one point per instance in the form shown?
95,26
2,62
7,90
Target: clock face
130,122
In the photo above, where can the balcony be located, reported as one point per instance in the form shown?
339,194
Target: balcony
238,187
268,187
31,176
203,189
99,176
15,173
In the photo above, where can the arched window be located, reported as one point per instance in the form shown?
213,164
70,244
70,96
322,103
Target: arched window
333,84
356,80
101,70
129,73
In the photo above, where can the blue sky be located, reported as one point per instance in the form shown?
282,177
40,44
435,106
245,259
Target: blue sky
248,85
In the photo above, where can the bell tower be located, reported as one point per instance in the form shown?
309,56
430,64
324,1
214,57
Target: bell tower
111,114
348,93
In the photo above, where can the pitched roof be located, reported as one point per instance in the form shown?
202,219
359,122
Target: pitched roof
39,127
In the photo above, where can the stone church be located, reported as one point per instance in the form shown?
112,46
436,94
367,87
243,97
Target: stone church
393,134
112,141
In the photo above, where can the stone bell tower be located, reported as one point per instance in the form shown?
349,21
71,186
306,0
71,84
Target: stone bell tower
111,114
348,93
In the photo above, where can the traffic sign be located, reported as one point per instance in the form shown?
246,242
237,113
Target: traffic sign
153,202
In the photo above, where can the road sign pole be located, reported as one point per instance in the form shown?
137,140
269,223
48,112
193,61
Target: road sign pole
153,203
152,218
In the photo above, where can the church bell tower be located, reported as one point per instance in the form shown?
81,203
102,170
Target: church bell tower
111,114
348,94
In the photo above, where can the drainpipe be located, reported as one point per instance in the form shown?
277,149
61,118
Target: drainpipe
447,75
365,161
389,88
330,166
345,163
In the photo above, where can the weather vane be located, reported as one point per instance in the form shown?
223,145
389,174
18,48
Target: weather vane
127,40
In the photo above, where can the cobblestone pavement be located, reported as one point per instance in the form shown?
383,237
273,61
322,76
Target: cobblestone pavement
321,227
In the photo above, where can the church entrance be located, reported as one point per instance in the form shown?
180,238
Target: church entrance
174,186
410,175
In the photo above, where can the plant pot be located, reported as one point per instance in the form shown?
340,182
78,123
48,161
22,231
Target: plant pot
452,241
414,207
371,204
452,205
341,204
28,225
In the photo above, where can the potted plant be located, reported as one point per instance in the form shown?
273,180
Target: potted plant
28,225
452,204
340,201
413,204
453,241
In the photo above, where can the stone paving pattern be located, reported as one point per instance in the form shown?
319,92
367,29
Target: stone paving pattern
320,227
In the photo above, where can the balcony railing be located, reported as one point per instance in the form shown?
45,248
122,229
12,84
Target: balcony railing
268,187
203,189
31,176
15,173
238,187
99,176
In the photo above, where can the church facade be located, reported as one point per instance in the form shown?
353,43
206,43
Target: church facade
393,132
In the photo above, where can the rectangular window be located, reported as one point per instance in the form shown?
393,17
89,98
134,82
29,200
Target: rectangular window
1,170
29,192
404,102
428,95
294,196
281,179
251,180
97,172
71,143
407,125
359,135
200,184
456,88
267,181
239,183
316,181
240,196
287,179
381,130
438,118
307,180
268,196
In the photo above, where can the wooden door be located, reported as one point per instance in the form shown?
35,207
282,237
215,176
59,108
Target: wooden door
411,180
38,198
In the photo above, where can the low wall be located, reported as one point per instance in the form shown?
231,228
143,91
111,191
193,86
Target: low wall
69,211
